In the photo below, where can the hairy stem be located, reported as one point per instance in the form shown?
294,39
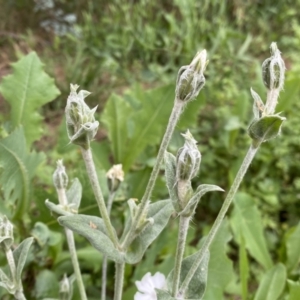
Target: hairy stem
62,197
236,183
177,109
90,166
104,262
182,233
120,268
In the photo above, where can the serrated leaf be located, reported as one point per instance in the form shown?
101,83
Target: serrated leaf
266,128
74,194
294,288
20,256
198,284
272,284
220,267
93,229
293,247
170,173
201,190
136,120
26,90
160,211
17,168
246,220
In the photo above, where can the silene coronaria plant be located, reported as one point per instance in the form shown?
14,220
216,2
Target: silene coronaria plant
146,219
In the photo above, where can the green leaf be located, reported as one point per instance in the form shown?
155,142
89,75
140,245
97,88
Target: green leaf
294,288
94,230
160,212
293,247
244,268
272,284
6,282
136,120
74,194
26,90
170,173
246,220
198,284
220,269
265,128
18,167
57,208
20,256
163,295
201,190
46,285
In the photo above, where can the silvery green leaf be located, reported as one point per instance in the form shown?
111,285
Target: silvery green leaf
160,212
6,282
20,256
196,288
170,166
201,190
58,209
74,194
94,230
258,105
266,128
163,295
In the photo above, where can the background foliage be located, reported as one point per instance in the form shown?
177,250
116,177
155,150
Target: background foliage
127,53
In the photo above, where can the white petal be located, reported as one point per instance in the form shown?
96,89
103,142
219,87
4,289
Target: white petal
145,285
159,280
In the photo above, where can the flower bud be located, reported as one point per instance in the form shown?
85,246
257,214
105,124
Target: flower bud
273,69
188,159
81,124
6,233
190,79
60,177
66,288
115,176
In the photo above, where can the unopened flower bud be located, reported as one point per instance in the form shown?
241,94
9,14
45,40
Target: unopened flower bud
81,124
188,159
6,233
273,69
190,79
115,176
65,288
60,177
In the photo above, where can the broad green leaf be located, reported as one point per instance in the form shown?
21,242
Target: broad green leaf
272,284
26,90
244,268
160,212
46,285
20,256
220,269
294,288
94,230
246,221
198,284
17,168
170,173
136,120
293,247
116,116
163,295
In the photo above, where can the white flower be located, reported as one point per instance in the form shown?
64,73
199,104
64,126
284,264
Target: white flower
147,286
